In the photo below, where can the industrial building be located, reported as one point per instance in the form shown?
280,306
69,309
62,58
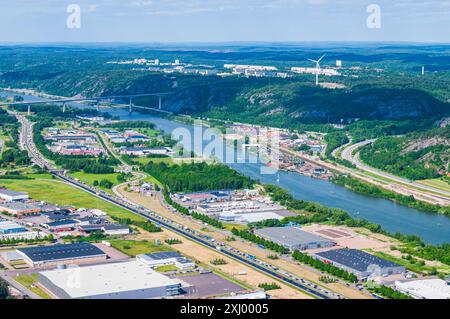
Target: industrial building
19,208
12,230
425,288
360,263
252,217
10,196
294,238
61,225
144,151
115,229
9,227
125,280
67,254
166,258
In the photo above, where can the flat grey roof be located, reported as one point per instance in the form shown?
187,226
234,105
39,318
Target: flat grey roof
164,255
19,206
11,193
115,226
290,236
356,259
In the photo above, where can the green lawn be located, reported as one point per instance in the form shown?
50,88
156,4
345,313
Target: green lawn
134,247
56,192
148,131
151,179
30,282
145,160
409,265
166,268
90,178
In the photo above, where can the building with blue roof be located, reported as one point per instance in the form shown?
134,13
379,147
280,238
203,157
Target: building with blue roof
360,263
77,253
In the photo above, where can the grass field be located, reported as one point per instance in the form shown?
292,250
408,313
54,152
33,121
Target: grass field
436,183
166,268
90,178
30,281
229,226
145,160
410,266
56,192
148,131
134,247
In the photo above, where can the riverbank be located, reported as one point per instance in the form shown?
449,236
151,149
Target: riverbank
433,228
372,190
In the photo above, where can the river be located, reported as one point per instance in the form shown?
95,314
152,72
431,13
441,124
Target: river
432,228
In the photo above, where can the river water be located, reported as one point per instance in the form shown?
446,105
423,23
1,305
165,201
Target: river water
432,228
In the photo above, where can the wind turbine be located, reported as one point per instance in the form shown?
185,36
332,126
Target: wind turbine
317,62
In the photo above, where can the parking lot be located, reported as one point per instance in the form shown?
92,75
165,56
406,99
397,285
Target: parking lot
205,285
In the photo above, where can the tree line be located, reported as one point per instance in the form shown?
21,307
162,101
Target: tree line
248,235
326,267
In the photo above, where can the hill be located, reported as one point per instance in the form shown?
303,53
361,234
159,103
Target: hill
415,156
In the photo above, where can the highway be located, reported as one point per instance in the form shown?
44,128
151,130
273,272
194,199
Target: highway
268,269
347,154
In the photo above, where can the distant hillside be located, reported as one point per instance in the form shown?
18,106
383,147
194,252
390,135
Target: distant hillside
296,102
397,93
271,101
415,156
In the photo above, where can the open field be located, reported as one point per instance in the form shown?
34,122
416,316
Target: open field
413,266
57,192
90,178
145,160
137,247
30,282
148,131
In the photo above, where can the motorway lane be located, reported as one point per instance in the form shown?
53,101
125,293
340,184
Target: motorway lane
347,154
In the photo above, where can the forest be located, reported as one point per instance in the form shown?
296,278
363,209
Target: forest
415,156
195,177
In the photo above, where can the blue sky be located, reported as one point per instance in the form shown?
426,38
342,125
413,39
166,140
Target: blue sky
224,20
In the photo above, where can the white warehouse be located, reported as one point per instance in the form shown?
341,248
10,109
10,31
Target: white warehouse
124,280
10,196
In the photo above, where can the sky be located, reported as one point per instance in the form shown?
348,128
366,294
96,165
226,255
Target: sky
150,21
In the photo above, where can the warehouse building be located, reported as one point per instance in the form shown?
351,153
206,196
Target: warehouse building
19,208
61,225
10,196
115,229
9,227
166,258
360,263
293,238
425,288
77,253
125,280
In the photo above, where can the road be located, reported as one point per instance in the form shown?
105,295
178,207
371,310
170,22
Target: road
23,290
351,154
268,269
